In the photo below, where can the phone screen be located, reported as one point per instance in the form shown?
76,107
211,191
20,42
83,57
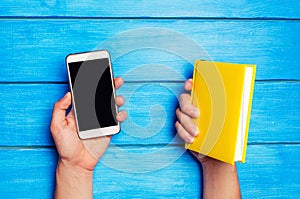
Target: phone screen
93,94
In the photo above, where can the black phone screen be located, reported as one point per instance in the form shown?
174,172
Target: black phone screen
93,94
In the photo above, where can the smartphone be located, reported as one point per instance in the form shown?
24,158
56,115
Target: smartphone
93,94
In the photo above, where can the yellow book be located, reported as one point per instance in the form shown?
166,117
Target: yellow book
223,93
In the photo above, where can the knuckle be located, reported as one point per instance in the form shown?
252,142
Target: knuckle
183,97
186,108
54,128
189,108
177,125
56,105
178,113
183,134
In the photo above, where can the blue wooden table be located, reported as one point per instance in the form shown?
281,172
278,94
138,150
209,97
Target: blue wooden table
147,160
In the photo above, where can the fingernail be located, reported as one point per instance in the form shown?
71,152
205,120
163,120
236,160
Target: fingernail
196,131
121,115
67,96
196,113
191,139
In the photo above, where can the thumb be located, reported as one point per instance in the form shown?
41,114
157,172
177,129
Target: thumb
59,111
188,84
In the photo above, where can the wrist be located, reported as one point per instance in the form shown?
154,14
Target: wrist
203,159
222,175
73,181
82,161
67,169
211,162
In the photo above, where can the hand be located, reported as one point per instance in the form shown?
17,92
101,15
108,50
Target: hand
185,126
215,173
72,150
187,111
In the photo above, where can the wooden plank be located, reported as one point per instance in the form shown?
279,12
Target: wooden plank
155,8
269,172
34,50
25,113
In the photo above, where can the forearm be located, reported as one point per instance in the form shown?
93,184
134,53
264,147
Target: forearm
73,182
220,180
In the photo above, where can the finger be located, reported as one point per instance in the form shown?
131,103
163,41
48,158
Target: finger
188,85
121,116
119,100
183,133
71,119
59,111
187,107
118,82
187,123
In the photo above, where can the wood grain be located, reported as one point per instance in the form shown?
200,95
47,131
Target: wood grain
34,50
30,173
35,37
25,113
155,8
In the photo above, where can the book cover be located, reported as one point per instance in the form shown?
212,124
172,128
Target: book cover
223,93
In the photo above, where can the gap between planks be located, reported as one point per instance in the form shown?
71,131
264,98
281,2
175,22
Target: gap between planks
154,81
141,145
150,18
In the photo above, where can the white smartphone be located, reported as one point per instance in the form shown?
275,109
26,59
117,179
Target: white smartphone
93,94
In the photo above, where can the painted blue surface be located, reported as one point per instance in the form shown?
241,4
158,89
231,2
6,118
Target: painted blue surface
35,37
155,8
34,50
275,114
